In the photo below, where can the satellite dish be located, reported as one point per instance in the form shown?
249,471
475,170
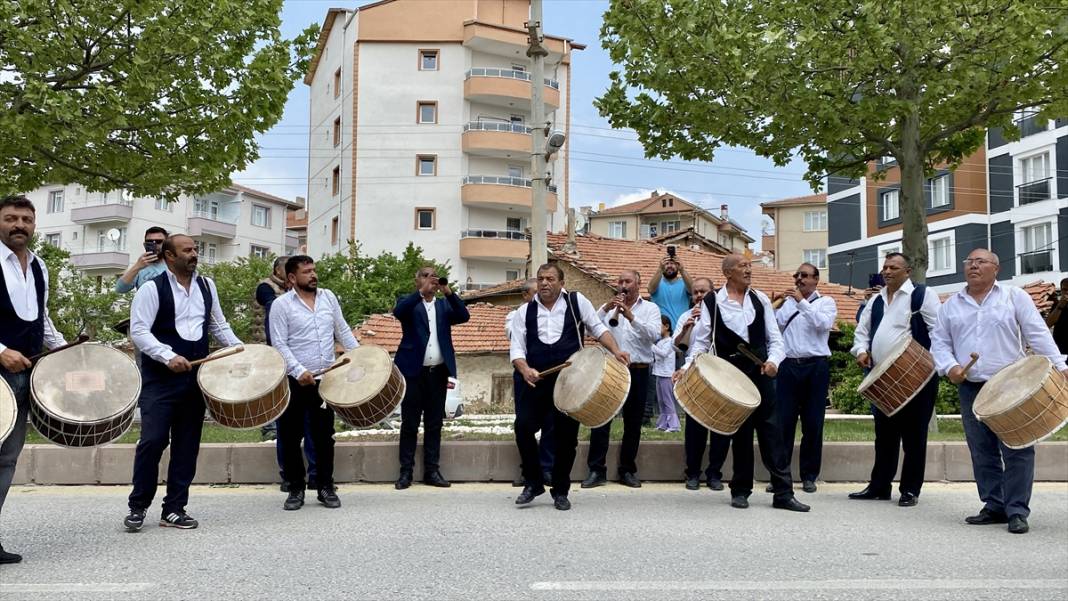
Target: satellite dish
114,235
766,260
580,221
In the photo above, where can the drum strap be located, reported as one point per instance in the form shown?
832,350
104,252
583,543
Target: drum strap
580,326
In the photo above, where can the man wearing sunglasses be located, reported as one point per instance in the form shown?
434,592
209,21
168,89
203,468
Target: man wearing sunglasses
148,265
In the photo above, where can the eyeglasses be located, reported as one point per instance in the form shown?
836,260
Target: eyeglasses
800,275
979,262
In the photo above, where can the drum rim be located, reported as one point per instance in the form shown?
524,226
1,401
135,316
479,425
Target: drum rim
207,404
597,387
215,397
1039,383
127,417
5,390
403,392
879,369
48,411
337,373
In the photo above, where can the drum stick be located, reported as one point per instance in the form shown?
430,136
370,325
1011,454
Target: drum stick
975,357
80,339
553,370
749,354
344,361
227,353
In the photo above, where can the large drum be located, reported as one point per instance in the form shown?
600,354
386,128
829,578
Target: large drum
899,377
593,388
8,410
85,395
1024,403
247,389
717,394
366,390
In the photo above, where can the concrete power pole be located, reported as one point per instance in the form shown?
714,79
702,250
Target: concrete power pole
537,53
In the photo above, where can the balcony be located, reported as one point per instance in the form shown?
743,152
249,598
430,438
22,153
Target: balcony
1035,191
1031,125
498,140
1036,262
507,88
502,193
102,211
110,260
494,245
209,223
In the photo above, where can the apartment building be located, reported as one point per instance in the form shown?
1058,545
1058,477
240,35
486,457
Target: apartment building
798,232
104,231
665,218
297,228
420,121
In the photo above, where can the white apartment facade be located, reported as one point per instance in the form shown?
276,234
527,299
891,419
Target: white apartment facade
420,118
104,231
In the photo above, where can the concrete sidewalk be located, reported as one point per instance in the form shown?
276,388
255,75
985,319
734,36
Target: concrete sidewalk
475,461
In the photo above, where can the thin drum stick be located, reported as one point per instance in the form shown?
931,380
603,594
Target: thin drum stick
227,353
344,361
81,338
745,351
553,370
975,357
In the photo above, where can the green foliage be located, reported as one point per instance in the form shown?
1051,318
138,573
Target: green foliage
156,97
76,302
236,282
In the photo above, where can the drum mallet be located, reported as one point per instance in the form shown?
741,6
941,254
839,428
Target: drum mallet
227,353
975,357
749,354
344,361
553,370
79,340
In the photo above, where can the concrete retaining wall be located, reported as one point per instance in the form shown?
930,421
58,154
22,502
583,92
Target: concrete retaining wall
472,462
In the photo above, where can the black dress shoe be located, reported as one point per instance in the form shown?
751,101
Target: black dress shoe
294,501
629,479
869,494
436,479
808,486
528,494
1018,524
560,502
404,481
739,502
791,504
328,497
6,557
715,484
985,516
908,500
693,484
594,480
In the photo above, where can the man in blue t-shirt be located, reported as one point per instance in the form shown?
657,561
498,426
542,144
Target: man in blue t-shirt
670,288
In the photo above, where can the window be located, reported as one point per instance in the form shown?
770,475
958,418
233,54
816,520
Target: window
511,274
334,231
428,60
55,201
885,249
335,181
891,206
815,221
259,251
518,67
426,112
513,224
1035,168
515,171
106,244
426,165
163,205
337,82
53,239
617,229
337,131
207,251
939,191
206,208
941,254
668,227
261,216
816,256
1038,254
424,219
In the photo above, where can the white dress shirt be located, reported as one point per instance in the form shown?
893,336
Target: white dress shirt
664,358
737,317
508,323
896,323
188,317
638,337
432,356
306,336
22,290
992,329
551,323
680,322
808,333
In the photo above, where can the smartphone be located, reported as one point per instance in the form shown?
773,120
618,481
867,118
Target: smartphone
876,279
671,251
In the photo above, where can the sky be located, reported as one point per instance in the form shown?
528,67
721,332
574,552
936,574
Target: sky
606,165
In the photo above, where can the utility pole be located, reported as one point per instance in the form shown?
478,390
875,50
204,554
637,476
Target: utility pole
537,53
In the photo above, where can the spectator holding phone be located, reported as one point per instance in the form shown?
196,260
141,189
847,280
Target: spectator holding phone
670,287
148,265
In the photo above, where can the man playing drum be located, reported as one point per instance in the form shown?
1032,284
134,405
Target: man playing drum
545,442
734,319
637,328
305,323
546,331
989,318
27,328
899,310
170,318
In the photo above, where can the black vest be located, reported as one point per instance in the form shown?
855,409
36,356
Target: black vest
26,337
165,330
540,355
1060,332
725,341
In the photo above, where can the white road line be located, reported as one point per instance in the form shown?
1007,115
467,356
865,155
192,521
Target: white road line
78,587
801,585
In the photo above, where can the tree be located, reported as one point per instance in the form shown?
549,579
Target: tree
156,97
840,83
78,303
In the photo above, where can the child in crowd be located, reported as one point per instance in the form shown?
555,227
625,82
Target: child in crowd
664,351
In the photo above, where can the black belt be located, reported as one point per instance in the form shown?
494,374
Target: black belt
806,360
639,366
429,368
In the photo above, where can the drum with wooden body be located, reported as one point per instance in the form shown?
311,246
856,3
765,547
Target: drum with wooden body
593,388
85,395
717,394
8,410
1024,403
247,389
366,390
899,377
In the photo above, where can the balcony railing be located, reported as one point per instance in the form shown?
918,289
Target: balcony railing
1031,125
515,128
502,181
499,234
1036,262
97,201
508,74
214,216
1035,191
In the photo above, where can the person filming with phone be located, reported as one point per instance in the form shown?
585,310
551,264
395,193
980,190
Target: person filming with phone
148,265
670,287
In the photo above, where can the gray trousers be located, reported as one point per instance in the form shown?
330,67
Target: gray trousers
9,451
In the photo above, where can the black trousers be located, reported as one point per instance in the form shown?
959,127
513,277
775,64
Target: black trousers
801,391
535,409
696,437
546,445
424,399
633,410
907,431
769,438
306,406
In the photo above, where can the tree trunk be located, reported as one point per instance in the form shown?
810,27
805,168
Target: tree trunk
913,203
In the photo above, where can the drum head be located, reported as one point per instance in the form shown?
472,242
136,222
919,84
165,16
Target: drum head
244,376
8,410
362,379
85,384
577,383
880,368
1012,386
727,379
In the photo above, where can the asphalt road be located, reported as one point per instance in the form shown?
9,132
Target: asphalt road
471,542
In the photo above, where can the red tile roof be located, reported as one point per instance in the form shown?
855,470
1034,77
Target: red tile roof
652,205
509,287
820,198
1040,292
484,333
